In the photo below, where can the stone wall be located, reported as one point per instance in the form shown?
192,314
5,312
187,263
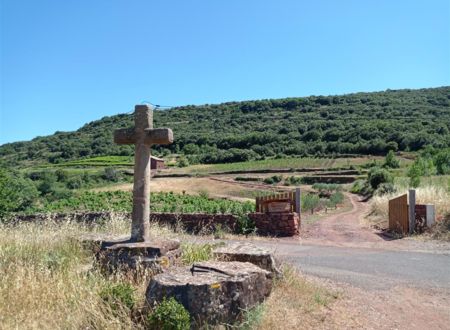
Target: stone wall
197,222
276,224
191,222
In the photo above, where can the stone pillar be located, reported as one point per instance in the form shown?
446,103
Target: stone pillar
298,201
140,224
431,215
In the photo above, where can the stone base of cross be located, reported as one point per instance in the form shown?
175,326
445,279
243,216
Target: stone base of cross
143,136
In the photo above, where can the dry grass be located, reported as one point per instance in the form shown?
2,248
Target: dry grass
439,196
44,283
296,303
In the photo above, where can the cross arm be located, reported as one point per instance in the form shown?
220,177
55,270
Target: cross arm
158,136
125,136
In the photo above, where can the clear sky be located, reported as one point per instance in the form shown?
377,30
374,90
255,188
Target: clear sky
66,63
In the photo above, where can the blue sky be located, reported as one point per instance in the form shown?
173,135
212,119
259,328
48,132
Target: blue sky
65,63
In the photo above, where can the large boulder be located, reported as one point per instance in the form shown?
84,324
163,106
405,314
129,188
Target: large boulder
213,292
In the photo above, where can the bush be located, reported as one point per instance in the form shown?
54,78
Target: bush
414,181
293,180
61,175
110,174
378,176
16,193
119,296
361,187
390,160
182,162
385,188
75,182
47,184
442,161
245,225
273,179
169,315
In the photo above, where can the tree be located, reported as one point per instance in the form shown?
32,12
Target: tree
16,193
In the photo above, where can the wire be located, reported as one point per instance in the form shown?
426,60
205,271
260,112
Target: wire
158,106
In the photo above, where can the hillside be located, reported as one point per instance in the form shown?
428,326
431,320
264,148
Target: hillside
360,123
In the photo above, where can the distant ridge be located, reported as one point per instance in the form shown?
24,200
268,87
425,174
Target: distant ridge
359,123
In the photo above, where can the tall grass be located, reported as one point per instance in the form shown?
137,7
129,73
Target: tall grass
439,196
44,283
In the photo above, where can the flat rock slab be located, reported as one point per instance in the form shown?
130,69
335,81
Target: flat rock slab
120,254
247,252
216,292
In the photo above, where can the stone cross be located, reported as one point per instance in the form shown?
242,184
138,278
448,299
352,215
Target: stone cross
142,135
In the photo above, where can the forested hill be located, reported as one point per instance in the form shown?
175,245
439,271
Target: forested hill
360,123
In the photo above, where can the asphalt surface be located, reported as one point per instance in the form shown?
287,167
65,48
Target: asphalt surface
370,269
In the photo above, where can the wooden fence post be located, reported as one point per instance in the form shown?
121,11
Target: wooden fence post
412,210
298,200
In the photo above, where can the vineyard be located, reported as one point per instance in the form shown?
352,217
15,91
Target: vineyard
100,161
121,201
281,163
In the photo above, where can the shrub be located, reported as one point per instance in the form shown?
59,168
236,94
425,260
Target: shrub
47,185
74,183
119,296
390,160
293,180
422,167
61,175
182,162
414,181
385,188
378,176
273,179
245,225
169,315
16,193
110,174
442,161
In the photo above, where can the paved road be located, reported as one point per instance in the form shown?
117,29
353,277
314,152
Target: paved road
366,268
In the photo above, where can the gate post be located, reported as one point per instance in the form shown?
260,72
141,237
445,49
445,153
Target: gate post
298,200
412,210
